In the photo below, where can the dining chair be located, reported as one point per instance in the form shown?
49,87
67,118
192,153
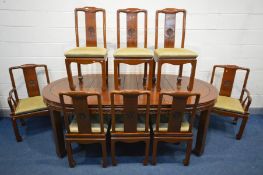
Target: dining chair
33,105
227,105
91,53
83,128
132,54
171,54
132,125
176,128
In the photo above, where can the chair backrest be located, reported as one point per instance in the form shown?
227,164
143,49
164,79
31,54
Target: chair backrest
170,27
81,110
129,108
30,76
132,26
228,78
90,25
180,106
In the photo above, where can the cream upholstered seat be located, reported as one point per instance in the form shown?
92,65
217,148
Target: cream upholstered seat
164,126
119,127
86,52
30,104
229,104
174,53
133,52
95,127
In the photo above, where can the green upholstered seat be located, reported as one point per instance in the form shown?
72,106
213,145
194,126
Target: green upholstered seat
229,104
86,52
30,104
164,126
119,127
174,53
133,53
95,127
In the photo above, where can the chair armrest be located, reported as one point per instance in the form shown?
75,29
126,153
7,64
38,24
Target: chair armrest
247,100
11,101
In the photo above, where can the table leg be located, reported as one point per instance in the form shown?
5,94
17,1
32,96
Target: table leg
202,131
58,135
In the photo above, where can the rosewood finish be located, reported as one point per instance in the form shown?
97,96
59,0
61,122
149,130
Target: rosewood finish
208,95
81,111
130,113
169,42
227,84
176,116
91,41
132,41
32,86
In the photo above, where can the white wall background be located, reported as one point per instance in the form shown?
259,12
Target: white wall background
221,31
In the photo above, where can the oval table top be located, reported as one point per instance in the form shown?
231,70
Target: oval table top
128,81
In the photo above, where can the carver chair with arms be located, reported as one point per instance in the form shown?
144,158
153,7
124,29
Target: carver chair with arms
31,106
227,105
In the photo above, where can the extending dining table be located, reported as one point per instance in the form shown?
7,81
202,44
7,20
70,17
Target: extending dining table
93,82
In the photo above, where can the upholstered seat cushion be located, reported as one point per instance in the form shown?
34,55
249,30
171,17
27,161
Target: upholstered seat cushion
229,104
119,127
174,53
86,52
133,53
164,126
95,127
30,104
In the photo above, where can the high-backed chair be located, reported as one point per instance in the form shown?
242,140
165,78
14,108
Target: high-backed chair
32,106
83,129
133,55
91,53
176,128
170,53
131,128
227,105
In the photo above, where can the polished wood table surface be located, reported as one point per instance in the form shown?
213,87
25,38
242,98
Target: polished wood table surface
128,81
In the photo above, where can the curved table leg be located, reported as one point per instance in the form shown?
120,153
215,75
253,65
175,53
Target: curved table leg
202,131
58,135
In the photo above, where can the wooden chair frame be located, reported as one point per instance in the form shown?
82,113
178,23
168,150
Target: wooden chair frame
91,41
82,111
169,42
130,133
132,14
179,108
226,90
30,76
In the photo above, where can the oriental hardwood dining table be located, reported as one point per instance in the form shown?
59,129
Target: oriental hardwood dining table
93,82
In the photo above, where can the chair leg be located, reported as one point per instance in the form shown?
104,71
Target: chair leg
149,87
154,153
159,71
188,153
154,78
116,75
79,72
145,74
104,75
71,161
107,71
104,154
16,131
113,159
147,144
242,128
